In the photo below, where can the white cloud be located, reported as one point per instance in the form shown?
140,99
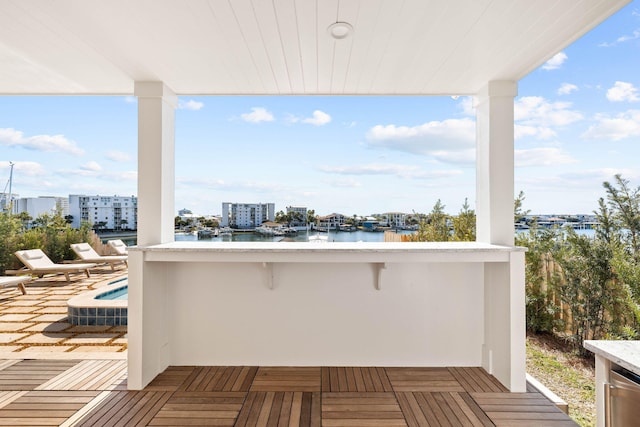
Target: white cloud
537,111
466,104
542,156
623,91
130,99
622,39
94,170
555,62
620,126
222,185
345,183
190,105
257,115
91,166
319,118
567,88
24,168
118,156
427,138
14,138
402,171
539,132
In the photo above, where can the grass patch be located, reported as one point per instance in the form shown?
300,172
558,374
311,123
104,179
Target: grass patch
569,376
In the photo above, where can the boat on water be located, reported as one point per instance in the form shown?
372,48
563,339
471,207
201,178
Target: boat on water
270,231
207,233
319,238
225,231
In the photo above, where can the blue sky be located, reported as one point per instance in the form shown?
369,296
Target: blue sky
577,124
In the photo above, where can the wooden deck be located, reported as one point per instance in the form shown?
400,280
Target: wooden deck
93,393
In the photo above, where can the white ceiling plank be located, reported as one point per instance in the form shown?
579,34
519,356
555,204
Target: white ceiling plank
370,35
229,30
269,28
247,21
289,39
327,15
64,60
408,28
455,31
306,12
485,41
343,49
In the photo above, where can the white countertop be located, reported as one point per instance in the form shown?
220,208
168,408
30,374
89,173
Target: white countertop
376,252
329,247
623,353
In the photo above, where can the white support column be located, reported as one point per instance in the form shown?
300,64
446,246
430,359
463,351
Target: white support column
148,339
504,298
156,162
148,353
494,163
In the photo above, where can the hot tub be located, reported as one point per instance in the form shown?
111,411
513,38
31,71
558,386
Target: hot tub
107,306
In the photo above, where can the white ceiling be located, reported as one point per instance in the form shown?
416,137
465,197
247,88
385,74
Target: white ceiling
282,46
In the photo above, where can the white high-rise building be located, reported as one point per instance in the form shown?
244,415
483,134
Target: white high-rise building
110,212
36,206
299,215
247,215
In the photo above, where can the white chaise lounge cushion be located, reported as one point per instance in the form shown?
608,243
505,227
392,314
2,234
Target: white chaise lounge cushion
87,254
37,262
15,281
118,246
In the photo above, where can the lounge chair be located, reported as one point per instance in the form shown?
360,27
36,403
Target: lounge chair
38,263
118,247
87,254
5,282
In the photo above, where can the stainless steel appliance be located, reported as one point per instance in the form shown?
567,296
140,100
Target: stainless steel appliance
622,399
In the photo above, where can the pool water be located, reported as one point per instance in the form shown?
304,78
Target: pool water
116,294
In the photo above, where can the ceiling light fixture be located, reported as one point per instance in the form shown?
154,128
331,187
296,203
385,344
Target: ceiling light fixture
340,30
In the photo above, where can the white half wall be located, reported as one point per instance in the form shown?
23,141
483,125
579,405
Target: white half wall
326,314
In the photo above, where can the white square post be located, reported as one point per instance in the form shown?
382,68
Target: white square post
504,347
148,353
156,162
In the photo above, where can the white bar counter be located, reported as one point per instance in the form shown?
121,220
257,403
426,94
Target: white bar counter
326,304
609,354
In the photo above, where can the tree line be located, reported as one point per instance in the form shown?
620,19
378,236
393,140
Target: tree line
578,287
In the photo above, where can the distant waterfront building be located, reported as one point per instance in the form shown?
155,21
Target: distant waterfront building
36,206
247,215
300,217
5,202
394,219
109,212
332,221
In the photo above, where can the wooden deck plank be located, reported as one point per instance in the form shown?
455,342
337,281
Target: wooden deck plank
422,379
287,379
361,409
88,375
29,374
521,409
79,393
32,407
